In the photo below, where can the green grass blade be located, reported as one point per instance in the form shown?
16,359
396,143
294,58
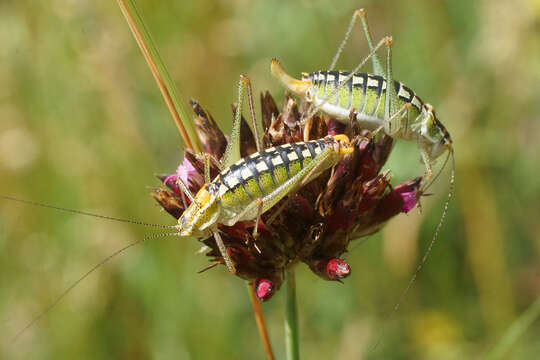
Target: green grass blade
515,331
159,70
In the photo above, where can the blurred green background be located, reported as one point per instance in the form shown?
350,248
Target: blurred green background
83,125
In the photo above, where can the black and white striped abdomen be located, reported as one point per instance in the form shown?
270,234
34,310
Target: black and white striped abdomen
261,173
365,93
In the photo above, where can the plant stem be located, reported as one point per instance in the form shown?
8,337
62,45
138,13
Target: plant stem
291,317
161,75
261,324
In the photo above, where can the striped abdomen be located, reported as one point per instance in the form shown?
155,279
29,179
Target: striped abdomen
261,173
365,93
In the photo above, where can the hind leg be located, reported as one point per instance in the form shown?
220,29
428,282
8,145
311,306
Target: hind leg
232,152
426,159
359,14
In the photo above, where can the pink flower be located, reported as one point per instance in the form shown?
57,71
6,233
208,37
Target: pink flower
170,181
409,193
409,201
189,175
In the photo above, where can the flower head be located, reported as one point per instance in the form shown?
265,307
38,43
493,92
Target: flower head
315,224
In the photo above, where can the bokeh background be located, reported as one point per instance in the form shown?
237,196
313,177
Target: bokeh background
83,125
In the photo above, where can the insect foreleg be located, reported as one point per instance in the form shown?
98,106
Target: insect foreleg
185,189
259,213
223,250
426,159
395,119
425,188
394,124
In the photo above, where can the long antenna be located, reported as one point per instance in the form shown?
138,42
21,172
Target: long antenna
78,281
428,251
73,211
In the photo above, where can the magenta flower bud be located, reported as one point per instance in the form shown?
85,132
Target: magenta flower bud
410,199
409,193
170,182
264,289
337,269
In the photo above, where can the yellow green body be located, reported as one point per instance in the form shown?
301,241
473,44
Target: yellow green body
256,183
363,97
